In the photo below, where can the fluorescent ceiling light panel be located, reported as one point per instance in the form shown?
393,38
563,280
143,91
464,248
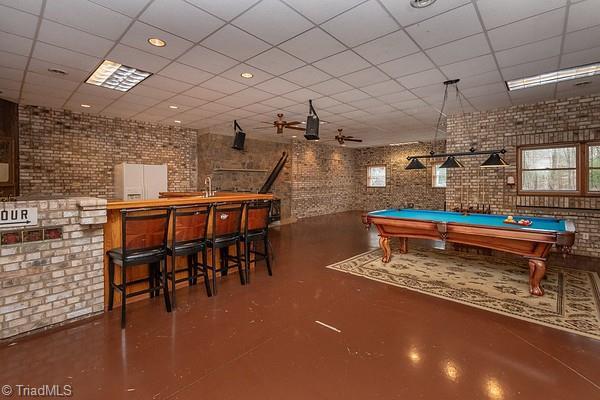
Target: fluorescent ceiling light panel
553,77
117,76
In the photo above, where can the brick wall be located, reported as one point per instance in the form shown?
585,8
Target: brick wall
324,179
53,272
402,186
63,152
550,122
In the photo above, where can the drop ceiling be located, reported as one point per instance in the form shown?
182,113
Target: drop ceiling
373,67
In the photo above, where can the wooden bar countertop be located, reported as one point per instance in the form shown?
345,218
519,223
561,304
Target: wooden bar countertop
183,198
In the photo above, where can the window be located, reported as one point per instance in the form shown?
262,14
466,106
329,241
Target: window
593,168
549,169
439,176
376,176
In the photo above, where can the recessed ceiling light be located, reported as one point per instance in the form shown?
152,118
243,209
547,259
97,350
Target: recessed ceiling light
177,121
294,136
85,106
246,75
554,77
421,3
57,71
116,76
174,107
157,42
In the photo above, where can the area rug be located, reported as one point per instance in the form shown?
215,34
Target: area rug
494,283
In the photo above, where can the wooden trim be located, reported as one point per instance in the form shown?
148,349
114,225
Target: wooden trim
184,199
386,175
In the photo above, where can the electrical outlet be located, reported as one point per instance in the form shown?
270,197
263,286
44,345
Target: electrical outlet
585,236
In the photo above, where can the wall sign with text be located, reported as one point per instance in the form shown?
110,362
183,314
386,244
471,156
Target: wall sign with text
13,217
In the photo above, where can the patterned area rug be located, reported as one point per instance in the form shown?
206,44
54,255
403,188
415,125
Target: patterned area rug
498,284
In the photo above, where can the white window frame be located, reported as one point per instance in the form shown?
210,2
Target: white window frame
369,167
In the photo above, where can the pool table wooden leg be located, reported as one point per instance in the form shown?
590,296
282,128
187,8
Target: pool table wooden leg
384,243
403,245
537,270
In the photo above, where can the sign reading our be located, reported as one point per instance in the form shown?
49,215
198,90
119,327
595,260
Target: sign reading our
11,217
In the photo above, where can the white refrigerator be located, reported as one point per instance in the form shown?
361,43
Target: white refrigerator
139,181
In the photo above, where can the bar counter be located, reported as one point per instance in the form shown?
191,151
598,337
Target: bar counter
112,228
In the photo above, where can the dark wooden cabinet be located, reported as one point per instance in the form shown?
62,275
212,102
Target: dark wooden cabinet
9,148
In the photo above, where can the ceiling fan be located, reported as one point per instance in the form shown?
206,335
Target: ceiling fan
280,124
341,138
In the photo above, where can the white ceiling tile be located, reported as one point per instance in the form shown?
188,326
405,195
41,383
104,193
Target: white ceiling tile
389,47
410,104
207,60
10,95
581,57
10,85
406,15
12,60
532,94
245,97
272,21
73,74
96,102
530,69
187,101
382,88
529,52
433,90
30,6
492,88
472,66
154,93
99,91
164,83
131,97
356,114
319,11
235,43
306,76
204,93
275,62
181,18
185,73
223,85
459,50
11,73
130,7
138,34
137,58
73,39
350,95
361,24
42,100
312,45
278,103
226,9
495,13
583,39
407,65
468,80
62,56
422,79
235,74
444,28
367,103
258,108
325,102
330,87
88,17
15,44
365,77
397,97
49,81
583,15
529,30
277,86
216,107
17,22
341,108
302,95
342,63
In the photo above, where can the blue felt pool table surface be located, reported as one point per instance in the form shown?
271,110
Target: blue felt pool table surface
538,223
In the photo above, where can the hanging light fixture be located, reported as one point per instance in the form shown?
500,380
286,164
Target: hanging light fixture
452,162
415,164
494,160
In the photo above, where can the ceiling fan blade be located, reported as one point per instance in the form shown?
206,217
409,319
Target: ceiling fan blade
352,140
348,137
294,123
296,128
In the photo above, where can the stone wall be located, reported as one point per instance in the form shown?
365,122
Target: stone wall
403,187
324,179
52,272
69,153
550,122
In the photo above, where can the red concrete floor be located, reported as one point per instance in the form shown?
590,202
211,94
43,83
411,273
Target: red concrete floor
261,341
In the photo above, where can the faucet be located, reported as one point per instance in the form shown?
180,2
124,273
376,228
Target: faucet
208,182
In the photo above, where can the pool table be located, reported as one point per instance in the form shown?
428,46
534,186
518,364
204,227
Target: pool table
482,230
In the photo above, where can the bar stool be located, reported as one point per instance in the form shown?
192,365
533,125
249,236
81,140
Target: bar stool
188,238
143,241
256,229
225,232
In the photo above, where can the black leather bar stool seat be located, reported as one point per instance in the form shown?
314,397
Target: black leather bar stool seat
143,241
188,238
256,230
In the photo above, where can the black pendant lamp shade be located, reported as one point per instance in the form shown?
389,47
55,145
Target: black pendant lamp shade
452,162
415,164
494,160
